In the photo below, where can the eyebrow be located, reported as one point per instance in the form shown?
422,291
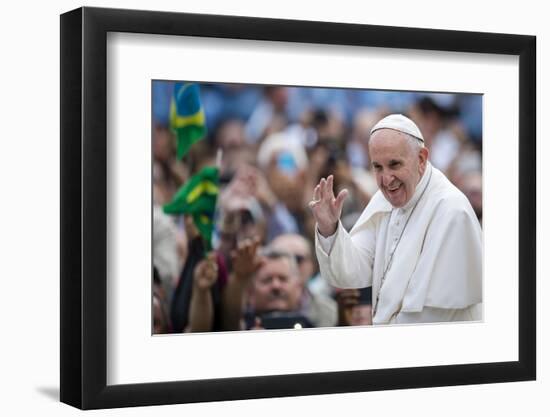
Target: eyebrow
392,162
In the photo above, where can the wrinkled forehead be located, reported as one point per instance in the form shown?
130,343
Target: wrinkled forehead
389,143
275,266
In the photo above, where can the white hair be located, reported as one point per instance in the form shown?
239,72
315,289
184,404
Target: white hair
415,143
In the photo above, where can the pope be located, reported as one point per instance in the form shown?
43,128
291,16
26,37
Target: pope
418,242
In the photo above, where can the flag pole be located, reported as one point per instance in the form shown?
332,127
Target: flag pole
219,156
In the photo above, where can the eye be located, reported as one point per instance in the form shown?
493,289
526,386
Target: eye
395,164
265,280
282,279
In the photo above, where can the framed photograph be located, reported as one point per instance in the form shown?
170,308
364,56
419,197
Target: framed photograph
195,150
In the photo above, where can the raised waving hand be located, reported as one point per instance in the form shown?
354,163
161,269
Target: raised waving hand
327,208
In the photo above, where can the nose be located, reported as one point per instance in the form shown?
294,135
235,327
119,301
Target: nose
387,179
275,283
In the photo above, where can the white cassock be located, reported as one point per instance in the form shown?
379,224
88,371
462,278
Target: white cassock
435,272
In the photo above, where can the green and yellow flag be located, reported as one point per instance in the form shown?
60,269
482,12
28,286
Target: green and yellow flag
197,198
187,118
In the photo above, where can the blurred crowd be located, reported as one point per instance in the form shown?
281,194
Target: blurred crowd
276,143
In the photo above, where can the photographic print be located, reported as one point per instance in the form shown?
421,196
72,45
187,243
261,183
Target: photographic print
290,207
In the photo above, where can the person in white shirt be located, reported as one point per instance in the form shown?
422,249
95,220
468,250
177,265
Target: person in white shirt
418,242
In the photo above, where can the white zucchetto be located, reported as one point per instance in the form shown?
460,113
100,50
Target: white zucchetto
400,123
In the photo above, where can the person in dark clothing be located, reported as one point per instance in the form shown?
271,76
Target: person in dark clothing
196,301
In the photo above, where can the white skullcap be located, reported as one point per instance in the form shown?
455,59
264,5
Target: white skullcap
400,123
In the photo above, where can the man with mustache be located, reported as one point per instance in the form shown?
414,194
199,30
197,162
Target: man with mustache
417,243
275,294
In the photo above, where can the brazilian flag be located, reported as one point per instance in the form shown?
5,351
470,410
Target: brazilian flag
197,198
187,118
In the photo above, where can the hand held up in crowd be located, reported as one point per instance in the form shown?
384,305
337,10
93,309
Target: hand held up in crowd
327,208
206,273
201,307
245,259
246,262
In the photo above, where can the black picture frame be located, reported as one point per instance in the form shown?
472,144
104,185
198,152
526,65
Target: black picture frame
84,207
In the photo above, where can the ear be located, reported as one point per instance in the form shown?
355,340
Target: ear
423,159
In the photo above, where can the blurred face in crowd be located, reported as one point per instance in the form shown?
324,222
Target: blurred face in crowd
163,144
299,247
398,164
287,180
276,286
361,315
472,188
278,97
231,134
249,227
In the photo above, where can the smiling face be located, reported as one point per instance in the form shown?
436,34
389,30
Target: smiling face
398,164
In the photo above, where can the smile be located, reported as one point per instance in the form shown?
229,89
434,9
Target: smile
394,189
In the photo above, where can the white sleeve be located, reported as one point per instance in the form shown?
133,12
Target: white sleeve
348,261
325,242
440,315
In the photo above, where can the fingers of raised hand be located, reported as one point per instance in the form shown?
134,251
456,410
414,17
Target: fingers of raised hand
205,273
323,191
329,191
317,192
209,266
211,271
254,247
243,246
246,249
316,197
323,188
339,201
326,187
259,262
